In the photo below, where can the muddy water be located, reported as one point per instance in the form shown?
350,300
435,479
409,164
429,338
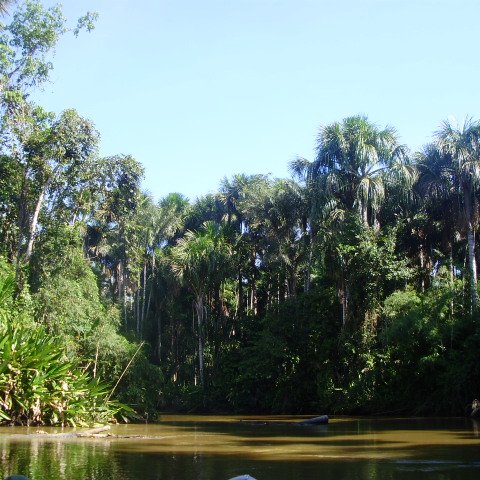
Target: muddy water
217,448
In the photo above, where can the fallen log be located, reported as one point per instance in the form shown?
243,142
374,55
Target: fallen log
321,420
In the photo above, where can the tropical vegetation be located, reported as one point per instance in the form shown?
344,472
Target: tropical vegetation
350,287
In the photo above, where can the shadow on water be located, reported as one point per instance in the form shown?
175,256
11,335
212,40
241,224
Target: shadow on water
185,448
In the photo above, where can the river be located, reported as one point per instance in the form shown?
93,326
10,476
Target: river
268,448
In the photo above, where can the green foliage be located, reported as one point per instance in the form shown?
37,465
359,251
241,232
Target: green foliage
420,337
66,295
142,387
68,303
29,39
39,386
302,295
33,32
38,383
284,361
17,308
10,181
201,257
371,264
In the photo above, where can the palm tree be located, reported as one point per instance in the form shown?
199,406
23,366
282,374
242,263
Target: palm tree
436,221
355,163
240,197
462,144
353,160
201,258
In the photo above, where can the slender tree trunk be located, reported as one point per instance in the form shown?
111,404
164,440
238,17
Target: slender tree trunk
122,290
149,301
124,299
137,308
308,245
119,274
344,294
144,294
364,213
269,296
159,335
253,304
292,284
306,286
422,269
451,278
200,312
33,224
472,264
240,312
279,281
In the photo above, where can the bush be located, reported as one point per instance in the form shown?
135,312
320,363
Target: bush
38,386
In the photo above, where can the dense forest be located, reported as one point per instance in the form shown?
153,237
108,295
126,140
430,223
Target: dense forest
350,287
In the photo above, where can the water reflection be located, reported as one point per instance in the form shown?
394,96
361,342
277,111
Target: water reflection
217,448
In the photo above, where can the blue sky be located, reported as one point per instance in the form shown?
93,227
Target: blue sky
198,90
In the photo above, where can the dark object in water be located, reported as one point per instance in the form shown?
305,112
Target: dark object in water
321,420
310,422
16,477
242,477
473,410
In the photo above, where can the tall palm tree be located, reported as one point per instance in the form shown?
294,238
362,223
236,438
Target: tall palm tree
353,159
354,164
201,258
275,213
436,220
462,144
241,195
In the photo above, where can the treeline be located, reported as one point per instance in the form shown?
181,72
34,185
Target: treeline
349,288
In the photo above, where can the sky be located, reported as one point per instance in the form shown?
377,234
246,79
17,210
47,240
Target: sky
199,90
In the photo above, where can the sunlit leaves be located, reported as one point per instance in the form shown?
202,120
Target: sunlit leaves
39,386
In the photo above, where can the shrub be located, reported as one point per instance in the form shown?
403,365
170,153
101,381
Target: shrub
39,386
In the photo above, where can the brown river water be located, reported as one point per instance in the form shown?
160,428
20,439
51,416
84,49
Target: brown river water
267,448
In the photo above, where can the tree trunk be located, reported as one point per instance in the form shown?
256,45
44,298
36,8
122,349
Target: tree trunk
306,286
159,336
199,310
364,213
144,294
253,296
119,274
292,284
422,270
344,294
240,312
472,267
33,224
137,309
149,301
451,279
472,264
